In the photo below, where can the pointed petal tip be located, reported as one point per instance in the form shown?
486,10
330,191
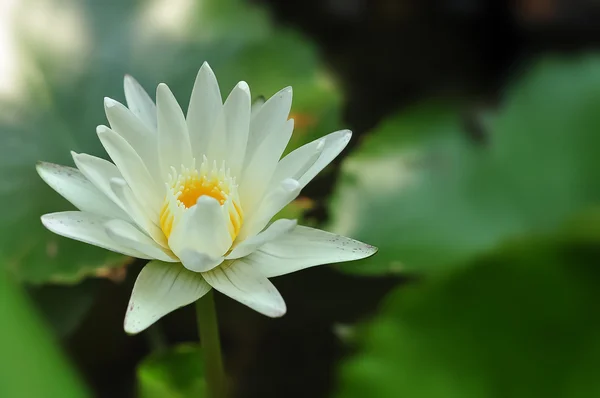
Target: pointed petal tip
129,81
102,129
162,88
199,262
44,219
371,250
109,102
320,146
40,165
290,184
130,326
206,70
44,169
206,200
365,250
115,181
278,312
243,86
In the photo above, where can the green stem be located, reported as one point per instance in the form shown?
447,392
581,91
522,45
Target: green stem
208,329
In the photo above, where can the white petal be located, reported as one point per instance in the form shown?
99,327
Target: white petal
273,202
306,247
173,138
125,233
136,211
243,283
198,262
203,228
136,133
139,102
299,161
72,185
133,169
334,144
161,288
230,135
88,228
274,231
205,107
99,171
258,172
271,115
280,195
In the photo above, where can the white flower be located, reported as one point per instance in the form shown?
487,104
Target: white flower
195,194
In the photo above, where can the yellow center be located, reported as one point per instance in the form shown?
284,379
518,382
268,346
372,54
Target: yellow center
192,189
186,187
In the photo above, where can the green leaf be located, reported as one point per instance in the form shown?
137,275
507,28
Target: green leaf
418,189
62,104
517,323
176,373
31,365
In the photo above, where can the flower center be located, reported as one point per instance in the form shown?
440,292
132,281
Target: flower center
184,189
192,186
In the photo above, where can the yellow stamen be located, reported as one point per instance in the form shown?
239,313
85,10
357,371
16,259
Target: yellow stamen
189,185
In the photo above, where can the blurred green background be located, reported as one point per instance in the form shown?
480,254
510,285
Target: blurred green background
474,167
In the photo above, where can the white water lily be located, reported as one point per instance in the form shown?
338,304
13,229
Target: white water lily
195,195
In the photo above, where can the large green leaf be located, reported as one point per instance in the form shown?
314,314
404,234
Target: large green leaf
62,103
31,365
519,323
429,197
176,373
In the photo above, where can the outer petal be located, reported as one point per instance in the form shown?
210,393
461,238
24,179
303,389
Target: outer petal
205,107
228,141
196,261
273,202
304,163
173,138
133,169
203,229
159,289
282,192
274,231
334,144
72,185
240,281
268,118
306,247
298,162
141,138
99,171
131,205
122,231
139,102
87,228
260,168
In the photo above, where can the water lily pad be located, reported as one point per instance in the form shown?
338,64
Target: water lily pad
517,323
430,197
